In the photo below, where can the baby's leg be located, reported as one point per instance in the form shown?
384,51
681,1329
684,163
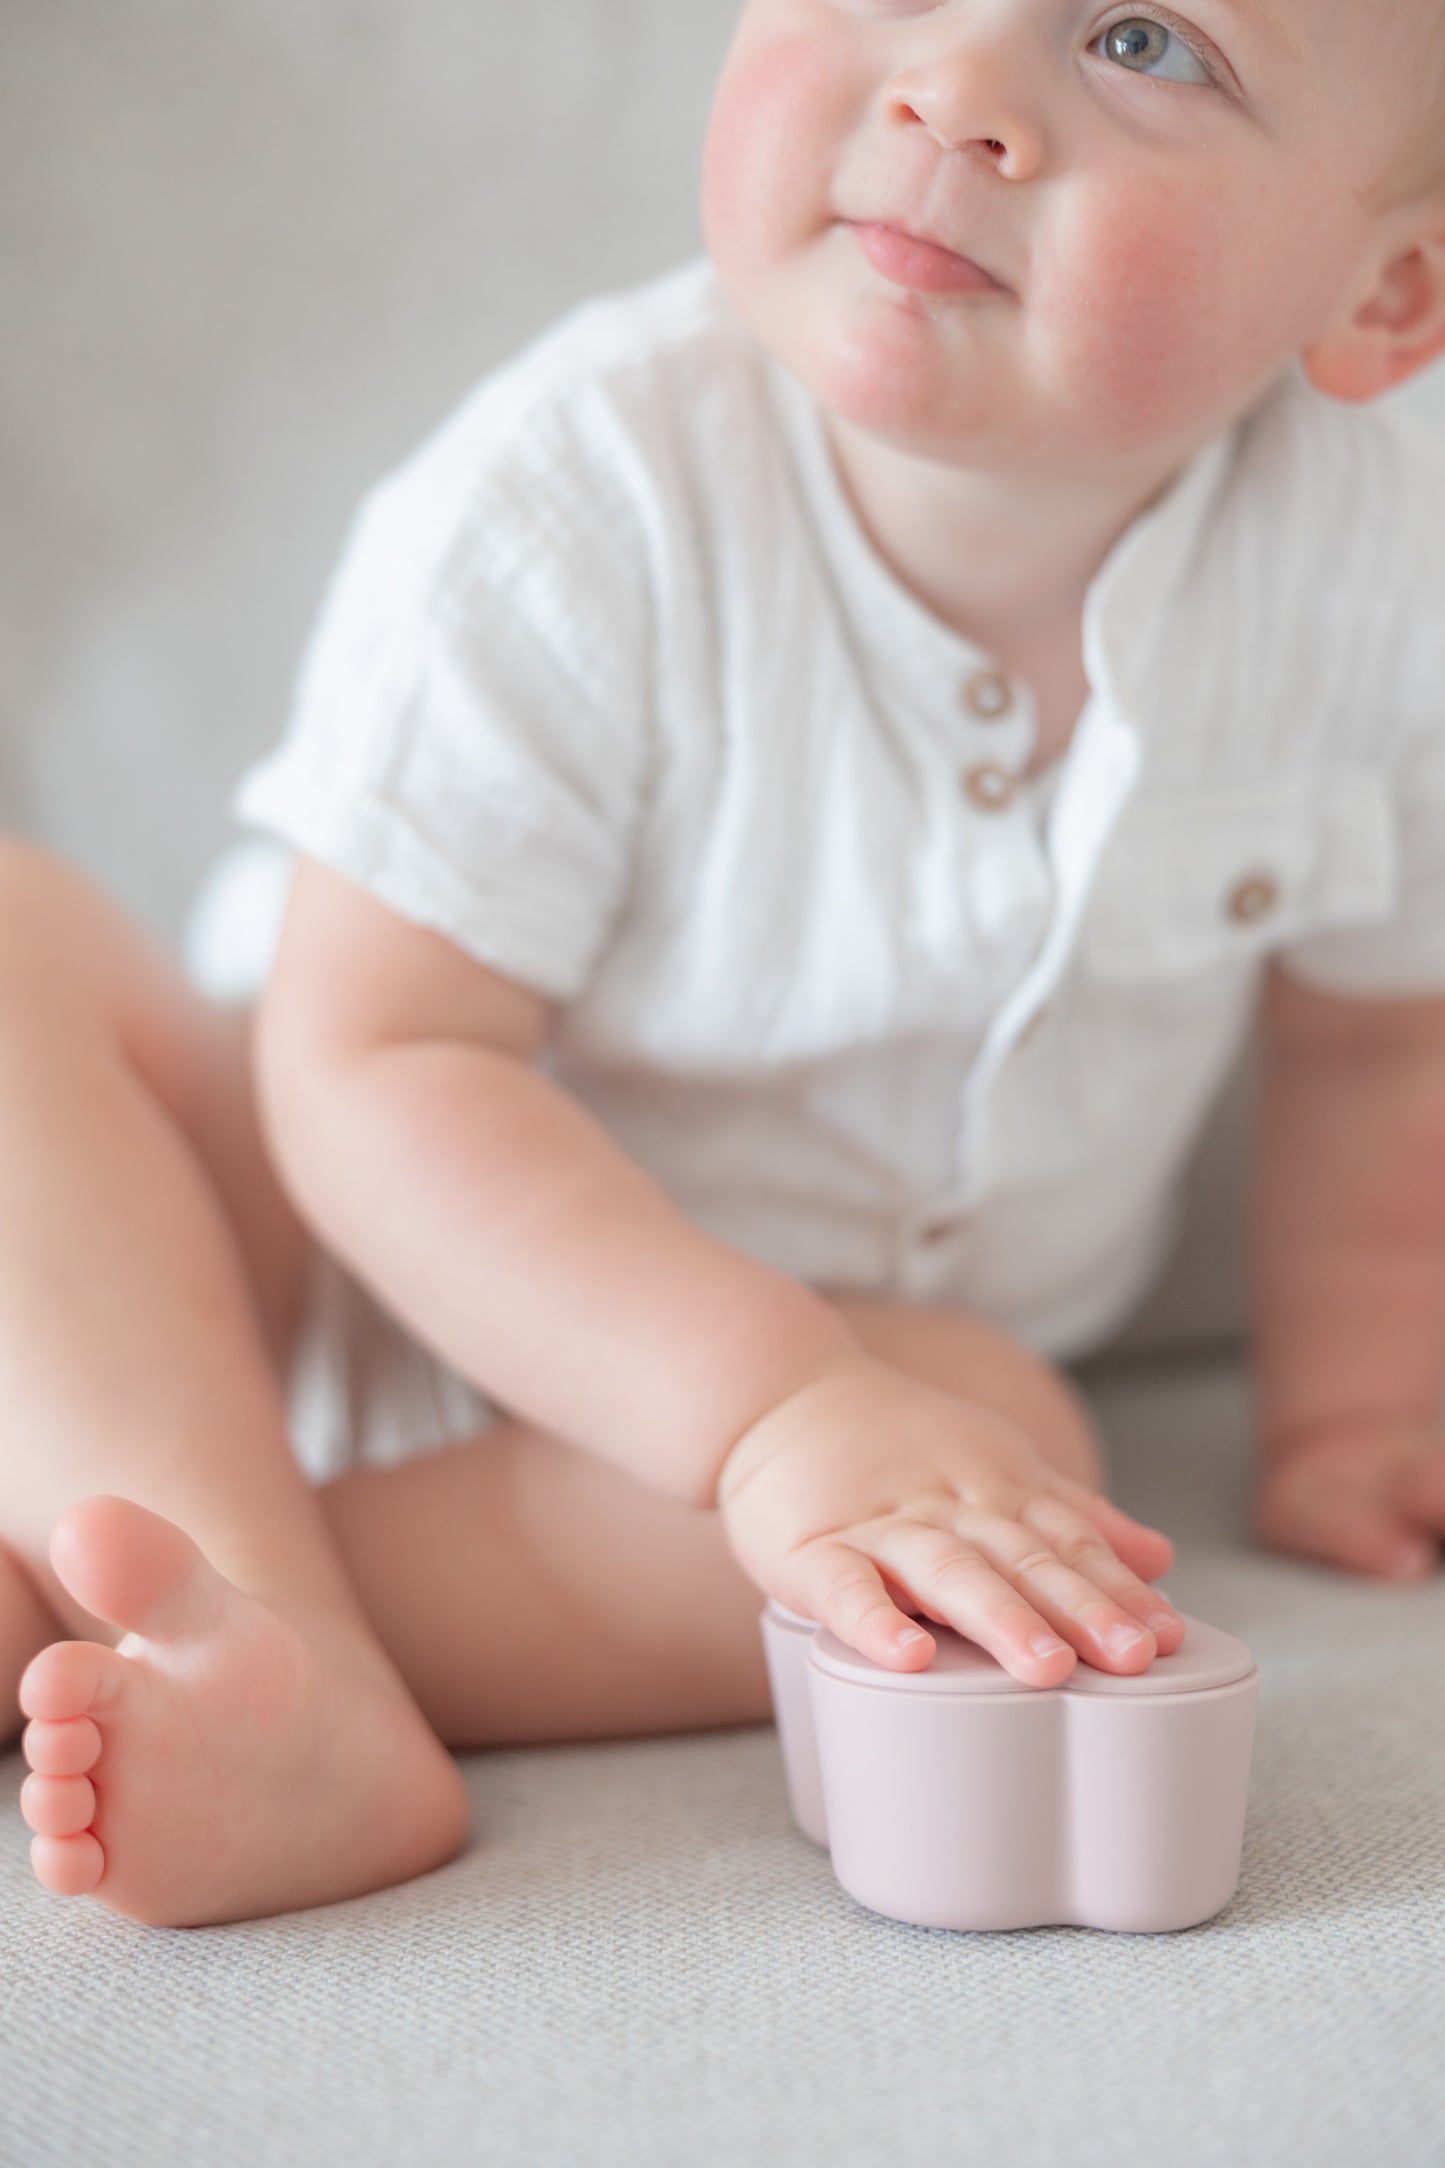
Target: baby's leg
530,1592
246,1747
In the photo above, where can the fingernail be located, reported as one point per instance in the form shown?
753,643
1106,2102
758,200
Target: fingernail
1159,1622
907,1634
1123,1640
1047,1644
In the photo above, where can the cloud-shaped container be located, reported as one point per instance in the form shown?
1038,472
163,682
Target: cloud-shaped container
954,1797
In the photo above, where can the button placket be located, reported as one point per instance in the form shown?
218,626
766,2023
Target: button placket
989,702
998,724
1107,752
1035,1023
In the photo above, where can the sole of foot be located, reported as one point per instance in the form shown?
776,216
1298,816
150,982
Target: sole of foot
224,1761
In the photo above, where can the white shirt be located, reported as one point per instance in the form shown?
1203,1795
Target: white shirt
612,690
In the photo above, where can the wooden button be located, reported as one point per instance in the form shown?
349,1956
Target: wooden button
940,1231
988,696
1253,898
991,789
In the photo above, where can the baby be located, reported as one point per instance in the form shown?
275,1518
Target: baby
794,795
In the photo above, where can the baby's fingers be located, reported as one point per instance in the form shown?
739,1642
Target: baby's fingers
959,1584
844,1591
1097,1591
1148,1551
1338,1525
1422,1499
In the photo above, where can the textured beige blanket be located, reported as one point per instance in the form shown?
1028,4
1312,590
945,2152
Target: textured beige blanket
639,1965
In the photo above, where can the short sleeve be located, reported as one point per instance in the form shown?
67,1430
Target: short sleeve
1404,954
469,736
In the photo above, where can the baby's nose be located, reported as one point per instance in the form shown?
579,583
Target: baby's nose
970,99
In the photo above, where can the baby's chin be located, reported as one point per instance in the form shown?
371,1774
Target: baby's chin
887,362
894,384
959,380
951,400
980,409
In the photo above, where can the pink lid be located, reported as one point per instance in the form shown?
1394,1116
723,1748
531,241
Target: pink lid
782,1616
1205,1657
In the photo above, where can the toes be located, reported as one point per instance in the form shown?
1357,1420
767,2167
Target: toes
132,1568
58,1806
70,1678
61,1750
67,1866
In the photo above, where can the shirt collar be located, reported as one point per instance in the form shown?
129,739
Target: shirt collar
1126,606
909,650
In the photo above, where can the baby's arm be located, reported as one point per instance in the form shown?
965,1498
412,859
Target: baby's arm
1349,1277
493,1214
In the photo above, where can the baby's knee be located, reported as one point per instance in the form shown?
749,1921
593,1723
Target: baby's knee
27,875
1051,1408
71,957
966,1355
1065,1431
42,913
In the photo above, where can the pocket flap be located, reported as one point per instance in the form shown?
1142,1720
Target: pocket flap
1191,882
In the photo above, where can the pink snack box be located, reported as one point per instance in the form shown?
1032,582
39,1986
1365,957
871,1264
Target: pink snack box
954,1797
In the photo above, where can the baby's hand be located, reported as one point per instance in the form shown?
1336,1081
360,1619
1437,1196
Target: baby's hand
868,1483
1369,1494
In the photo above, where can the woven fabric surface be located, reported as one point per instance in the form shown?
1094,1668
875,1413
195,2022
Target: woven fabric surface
639,1964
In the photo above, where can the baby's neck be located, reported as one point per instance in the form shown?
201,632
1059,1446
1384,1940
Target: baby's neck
1006,559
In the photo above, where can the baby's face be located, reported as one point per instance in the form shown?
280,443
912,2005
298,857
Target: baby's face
1170,204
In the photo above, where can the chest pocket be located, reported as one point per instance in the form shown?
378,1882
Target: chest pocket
1197,883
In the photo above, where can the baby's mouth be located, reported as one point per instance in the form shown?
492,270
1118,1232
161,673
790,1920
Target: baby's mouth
906,259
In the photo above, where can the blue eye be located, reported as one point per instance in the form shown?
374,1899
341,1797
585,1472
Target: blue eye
1147,47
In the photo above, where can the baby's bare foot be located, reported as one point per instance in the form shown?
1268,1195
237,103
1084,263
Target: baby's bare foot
223,1762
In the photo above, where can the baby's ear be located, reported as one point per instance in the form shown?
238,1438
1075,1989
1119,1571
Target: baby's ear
1397,330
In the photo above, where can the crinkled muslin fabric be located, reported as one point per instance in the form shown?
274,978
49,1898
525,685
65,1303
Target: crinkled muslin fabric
640,1964
612,689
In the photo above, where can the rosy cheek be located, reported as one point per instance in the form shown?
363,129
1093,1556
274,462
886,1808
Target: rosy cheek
765,171
1144,304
